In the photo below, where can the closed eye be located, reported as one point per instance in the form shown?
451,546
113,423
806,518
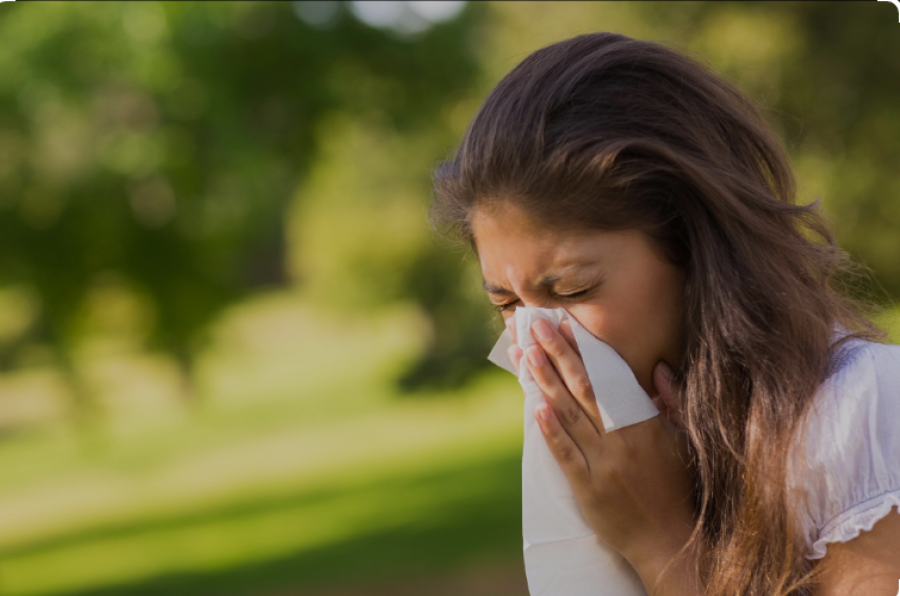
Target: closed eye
504,307
574,295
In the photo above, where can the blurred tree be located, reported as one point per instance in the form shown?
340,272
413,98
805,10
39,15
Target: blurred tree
842,84
156,147
359,241
158,144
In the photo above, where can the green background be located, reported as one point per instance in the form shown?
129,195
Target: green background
234,360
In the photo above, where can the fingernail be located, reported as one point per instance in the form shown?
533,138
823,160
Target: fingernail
666,370
542,329
536,357
543,411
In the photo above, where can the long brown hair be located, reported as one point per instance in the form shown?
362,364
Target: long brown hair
605,132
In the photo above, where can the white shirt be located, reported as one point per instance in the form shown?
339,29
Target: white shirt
851,478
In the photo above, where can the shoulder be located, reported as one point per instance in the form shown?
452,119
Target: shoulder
865,382
849,472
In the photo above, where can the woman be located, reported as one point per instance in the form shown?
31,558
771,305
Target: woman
627,184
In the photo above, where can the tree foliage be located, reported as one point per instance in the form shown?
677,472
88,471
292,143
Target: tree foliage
159,144
194,152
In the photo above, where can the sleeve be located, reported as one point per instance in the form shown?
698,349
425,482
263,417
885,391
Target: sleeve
850,477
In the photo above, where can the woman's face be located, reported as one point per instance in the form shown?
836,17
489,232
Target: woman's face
613,282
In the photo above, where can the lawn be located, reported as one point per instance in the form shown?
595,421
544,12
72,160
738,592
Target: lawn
299,471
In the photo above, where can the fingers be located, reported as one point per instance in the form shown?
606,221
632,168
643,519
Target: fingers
669,393
572,416
668,402
566,452
565,329
515,355
571,369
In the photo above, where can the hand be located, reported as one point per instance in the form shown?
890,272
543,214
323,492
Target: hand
632,485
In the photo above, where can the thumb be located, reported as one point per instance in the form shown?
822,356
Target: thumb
669,392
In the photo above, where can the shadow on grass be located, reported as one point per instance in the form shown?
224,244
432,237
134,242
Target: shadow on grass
477,526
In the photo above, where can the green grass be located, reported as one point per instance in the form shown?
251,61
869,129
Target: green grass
300,469
406,524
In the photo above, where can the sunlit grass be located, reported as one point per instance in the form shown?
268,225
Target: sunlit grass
298,449
292,524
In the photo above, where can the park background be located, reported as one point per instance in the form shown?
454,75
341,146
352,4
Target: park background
234,359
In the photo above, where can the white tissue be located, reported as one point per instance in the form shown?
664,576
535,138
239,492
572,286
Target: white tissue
563,556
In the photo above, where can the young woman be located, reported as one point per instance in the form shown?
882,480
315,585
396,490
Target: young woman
629,185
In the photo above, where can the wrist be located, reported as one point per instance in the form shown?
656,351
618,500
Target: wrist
667,571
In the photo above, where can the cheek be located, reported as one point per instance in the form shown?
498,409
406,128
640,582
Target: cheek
639,326
625,330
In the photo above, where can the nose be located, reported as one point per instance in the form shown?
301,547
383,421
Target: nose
536,304
540,301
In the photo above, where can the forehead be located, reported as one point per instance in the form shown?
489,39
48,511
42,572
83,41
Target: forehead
505,222
512,245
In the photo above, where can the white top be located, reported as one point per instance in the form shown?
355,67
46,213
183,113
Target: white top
852,474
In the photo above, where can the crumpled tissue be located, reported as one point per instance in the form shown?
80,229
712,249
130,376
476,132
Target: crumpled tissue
563,556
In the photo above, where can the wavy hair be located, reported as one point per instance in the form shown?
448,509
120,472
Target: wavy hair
606,132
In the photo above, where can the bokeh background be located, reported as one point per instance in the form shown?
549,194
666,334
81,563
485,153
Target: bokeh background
234,360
